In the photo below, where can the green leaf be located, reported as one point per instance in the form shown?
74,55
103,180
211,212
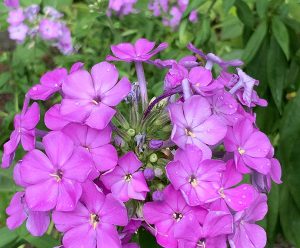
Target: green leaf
281,34
204,35
276,71
59,4
254,42
245,14
45,241
193,5
7,237
273,212
262,7
25,3
227,5
147,240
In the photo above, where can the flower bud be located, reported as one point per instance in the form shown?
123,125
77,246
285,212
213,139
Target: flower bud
131,132
155,144
157,195
153,158
158,172
149,174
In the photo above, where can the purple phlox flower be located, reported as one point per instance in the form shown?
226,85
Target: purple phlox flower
246,232
31,12
166,215
49,29
37,222
253,101
193,17
129,230
208,232
130,245
96,142
197,180
18,33
188,62
225,107
55,179
93,222
91,98
182,4
227,79
50,83
212,59
175,76
76,66
202,81
54,120
52,12
126,181
141,51
24,132
12,3
158,6
149,174
193,123
16,17
122,7
176,15
250,147
239,197
64,43
17,175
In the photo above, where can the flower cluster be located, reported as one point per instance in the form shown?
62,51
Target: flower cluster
121,7
171,11
29,22
189,159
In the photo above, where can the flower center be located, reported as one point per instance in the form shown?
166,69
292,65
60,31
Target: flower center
221,192
94,219
128,177
96,100
241,151
57,175
193,181
188,132
177,216
201,243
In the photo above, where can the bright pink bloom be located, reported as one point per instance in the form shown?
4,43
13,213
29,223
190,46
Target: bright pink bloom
54,120
37,222
54,180
197,180
91,98
250,147
24,132
93,222
141,51
193,123
175,76
126,181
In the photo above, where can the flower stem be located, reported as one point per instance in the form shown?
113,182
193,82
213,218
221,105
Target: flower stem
142,83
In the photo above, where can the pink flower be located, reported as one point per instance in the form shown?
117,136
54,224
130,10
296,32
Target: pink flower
141,51
166,215
37,222
91,98
18,32
54,120
49,29
54,180
194,124
93,222
16,17
197,180
24,132
250,147
175,76
126,181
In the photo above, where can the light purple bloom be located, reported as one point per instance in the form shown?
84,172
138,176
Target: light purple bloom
250,147
193,17
37,222
167,214
176,15
96,142
64,43
246,232
12,3
122,7
18,33
52,12
175,76
54,180
141,51
197,180
24,132
210,231
91,98
49,29
126,181
194,124
54,120
93,222
31,12
50,83
16,17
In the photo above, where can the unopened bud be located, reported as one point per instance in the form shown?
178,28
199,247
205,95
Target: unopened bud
131,132
153,158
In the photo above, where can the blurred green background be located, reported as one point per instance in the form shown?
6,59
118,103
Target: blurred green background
265,34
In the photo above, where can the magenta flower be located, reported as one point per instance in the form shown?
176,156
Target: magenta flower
194,124
193,17
49,29
24,132
91,98
50,83
122,7
54,180
54,120
12,3
18,32
239,197
93,222
246,232
126,181
166,215
250,147
37,222
210,231
197,180
175,76
16,17
141,51
96,142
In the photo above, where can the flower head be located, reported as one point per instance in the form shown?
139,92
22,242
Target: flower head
49,29
16,17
